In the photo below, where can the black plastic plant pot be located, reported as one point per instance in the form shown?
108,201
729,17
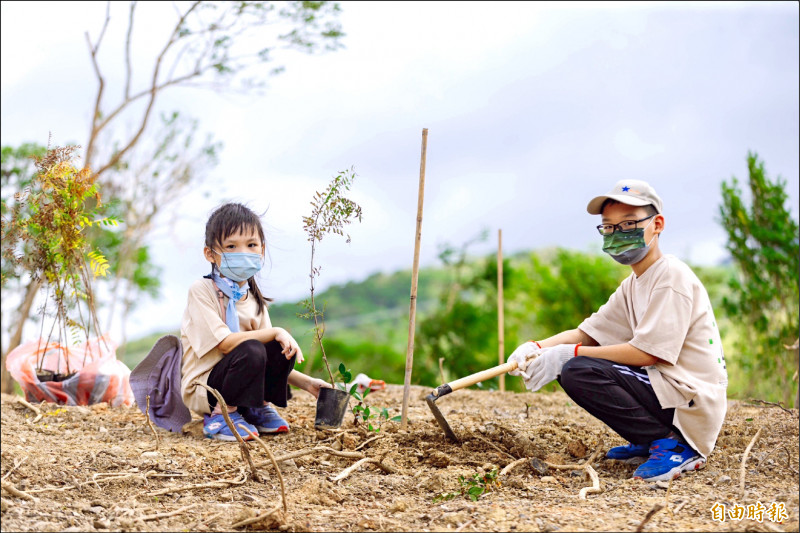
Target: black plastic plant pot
49,375
331,408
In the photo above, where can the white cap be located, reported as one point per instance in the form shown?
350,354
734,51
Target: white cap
629,192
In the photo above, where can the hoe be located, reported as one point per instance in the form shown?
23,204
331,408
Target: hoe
461,383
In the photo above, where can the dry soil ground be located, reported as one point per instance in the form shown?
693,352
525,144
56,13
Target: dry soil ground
100,468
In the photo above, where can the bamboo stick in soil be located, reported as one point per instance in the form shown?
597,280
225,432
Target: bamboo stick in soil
414,275
501,358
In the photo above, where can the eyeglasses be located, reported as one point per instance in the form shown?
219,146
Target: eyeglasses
626,226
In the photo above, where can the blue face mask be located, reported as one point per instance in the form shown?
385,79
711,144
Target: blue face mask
239,266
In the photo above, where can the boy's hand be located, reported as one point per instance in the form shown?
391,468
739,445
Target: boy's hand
523,355
289,345
547,366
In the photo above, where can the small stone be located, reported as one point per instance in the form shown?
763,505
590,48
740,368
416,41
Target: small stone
101,524
723,480
150,454
102,430
577,449
549,479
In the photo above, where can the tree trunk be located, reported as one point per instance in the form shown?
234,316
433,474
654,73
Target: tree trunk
6,381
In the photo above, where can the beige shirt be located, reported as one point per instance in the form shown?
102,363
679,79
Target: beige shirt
202,329
666,312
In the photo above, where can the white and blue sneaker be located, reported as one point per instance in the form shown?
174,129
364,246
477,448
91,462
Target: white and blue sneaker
215,427
265,418
668,458
629,453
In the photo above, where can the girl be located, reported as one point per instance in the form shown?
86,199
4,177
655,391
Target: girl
228,340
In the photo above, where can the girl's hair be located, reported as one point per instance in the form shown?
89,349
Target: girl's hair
232,218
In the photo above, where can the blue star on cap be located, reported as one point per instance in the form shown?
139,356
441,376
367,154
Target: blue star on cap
626,189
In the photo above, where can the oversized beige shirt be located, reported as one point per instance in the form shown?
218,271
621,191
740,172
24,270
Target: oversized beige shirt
202,329
666,312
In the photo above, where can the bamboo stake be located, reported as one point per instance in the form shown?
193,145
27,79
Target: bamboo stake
500,336
415,273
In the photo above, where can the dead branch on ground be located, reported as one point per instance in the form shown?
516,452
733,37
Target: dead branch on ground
316,449
274,463
255,519
774,404
242,446
32,408
586,467
170,514
744,460
366,460
493,445
16,465
376,437
656,508
8,487
220,484
149,422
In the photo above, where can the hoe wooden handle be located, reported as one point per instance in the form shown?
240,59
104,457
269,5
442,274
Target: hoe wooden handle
483,375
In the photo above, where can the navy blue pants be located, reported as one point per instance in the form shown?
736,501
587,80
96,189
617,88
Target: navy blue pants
252,373
620,396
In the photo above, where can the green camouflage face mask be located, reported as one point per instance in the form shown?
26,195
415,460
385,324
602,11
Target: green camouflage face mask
627,248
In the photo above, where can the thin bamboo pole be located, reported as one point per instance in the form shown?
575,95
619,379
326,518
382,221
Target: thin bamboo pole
501,348
412,315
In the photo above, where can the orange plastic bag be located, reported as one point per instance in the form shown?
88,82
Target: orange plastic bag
97,375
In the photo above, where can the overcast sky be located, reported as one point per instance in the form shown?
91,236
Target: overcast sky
531,108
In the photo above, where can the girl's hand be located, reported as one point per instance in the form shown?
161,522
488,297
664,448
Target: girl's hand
289,345
315,384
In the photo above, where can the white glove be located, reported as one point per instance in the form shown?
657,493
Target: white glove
523,355
547,366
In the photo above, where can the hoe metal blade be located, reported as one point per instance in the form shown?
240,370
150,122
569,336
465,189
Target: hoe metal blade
437,414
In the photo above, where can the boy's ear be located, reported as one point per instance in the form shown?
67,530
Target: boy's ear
209,255
659,223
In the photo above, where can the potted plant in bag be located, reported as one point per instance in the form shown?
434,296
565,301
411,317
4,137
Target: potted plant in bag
331,211
45,236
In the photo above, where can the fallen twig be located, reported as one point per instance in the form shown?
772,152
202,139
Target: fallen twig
463,526
242,446
754,400
32,408
656,508
366,460
744,460
111,477
506,469
149,422
274,463
376,437
587,467
170,514
595,488
221,484
16,465
316,449
8,487
493,445
255,519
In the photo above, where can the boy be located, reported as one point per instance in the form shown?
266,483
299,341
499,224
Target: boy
649,362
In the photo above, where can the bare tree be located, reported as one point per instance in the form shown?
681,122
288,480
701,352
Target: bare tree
224,46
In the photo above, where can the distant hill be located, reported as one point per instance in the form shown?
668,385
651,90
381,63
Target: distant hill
373,310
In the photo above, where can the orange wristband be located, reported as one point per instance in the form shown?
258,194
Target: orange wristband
576,349
536,343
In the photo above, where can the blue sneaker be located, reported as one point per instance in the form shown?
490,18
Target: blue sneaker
215,427
668,458
629,453
266,419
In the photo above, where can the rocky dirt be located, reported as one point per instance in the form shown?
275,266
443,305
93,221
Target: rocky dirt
101,468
